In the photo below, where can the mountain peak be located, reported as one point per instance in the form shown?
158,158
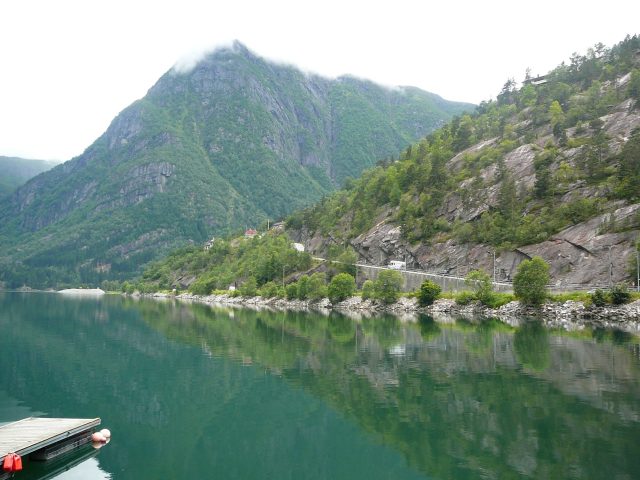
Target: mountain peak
228,141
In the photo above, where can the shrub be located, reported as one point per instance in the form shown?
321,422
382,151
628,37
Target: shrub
599,298
291,291
499,299
303,287
341,287
428,293
269,290
465,298
482,287
530,281
571,296
387,286
249,288
367,290
619,294
317,286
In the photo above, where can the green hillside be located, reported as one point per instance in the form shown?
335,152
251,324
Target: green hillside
228,144
549,168
15,171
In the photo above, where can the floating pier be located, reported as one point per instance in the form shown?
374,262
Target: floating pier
45,438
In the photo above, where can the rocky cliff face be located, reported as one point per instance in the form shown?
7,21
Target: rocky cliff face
228,144
595,251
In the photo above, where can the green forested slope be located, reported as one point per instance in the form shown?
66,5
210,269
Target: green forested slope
553,153
228,144
15,171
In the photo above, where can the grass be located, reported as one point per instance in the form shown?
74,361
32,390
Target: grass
573,296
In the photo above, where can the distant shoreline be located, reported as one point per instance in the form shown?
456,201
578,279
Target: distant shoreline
569,315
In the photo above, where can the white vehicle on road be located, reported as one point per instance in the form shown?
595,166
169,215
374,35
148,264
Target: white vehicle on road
397,265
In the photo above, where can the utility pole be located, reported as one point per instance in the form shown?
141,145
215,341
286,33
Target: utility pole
283,267
494,266
494,263
638,268
610,268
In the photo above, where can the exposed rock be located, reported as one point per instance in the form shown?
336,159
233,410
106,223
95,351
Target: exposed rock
142,182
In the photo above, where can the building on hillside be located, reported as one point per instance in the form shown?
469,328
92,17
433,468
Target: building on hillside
250,233
539,80
298,246
209,244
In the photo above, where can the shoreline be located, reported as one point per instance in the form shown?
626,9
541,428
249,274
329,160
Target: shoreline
569,315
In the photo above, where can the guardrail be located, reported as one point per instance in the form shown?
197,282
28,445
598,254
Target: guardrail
499,285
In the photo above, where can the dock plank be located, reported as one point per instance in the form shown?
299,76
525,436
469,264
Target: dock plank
31,434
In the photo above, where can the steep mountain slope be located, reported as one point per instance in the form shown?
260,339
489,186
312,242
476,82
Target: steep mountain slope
549,169
15,171
228,144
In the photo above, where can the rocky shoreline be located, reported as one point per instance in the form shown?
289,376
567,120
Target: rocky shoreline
569,315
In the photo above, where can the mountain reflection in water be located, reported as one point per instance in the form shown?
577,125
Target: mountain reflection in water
195,392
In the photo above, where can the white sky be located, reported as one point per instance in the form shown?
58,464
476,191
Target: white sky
68,67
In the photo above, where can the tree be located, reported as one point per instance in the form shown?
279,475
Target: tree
629,169
249,288
303,287
428,293
346,261
556,114
269,290
480,283
557,118
464,133
599,298
542,165
291,291
506,95
619,294
530,281
387,286
367,290
633,87
341,287
317,286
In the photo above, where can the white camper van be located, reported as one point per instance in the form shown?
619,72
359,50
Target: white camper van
397,265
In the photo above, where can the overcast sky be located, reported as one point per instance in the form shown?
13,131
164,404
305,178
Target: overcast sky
68,67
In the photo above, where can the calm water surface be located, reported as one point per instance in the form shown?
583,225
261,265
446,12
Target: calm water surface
199,393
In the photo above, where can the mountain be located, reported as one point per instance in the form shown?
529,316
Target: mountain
228,144
15,171
551,168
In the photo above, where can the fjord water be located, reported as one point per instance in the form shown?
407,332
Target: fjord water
194,392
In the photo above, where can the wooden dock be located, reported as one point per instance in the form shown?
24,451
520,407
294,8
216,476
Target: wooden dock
36,434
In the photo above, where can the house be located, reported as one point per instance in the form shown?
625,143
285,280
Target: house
250,233
278,227
298,246
539,80
209,244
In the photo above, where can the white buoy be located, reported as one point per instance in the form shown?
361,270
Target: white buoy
98,437
106,433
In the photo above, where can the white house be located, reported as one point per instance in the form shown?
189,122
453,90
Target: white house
298,246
